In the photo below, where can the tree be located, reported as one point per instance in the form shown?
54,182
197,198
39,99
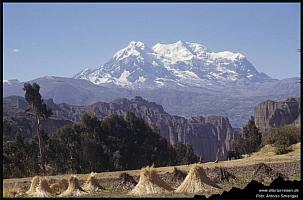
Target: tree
185,154
64,151
250,139
35,101
7,127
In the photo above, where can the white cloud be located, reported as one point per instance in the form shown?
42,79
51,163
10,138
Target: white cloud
15,50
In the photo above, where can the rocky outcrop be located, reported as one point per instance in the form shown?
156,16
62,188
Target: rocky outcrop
271,114
17,120
210,136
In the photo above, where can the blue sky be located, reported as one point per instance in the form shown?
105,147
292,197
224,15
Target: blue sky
62,39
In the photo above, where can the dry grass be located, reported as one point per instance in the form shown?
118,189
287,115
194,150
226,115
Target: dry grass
150,183
34,184
196,181
91,184
73,189
266,155
43,189
59,186
264,173
11,192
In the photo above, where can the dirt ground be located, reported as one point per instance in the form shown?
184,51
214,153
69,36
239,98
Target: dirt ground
237,173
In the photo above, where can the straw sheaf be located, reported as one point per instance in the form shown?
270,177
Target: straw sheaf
34,184
91,184
74,188
196,181
150,183
43,189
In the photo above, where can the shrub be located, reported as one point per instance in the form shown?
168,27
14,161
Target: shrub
285,135
282,138
281,149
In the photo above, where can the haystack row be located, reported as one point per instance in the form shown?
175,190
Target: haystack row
196,181
63,188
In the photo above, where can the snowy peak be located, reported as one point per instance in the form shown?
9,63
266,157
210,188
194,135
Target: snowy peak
134,48
84,72
178,64
180,50
137,44
176,51
226,55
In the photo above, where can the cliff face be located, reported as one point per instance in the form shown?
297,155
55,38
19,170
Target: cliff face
271,114
17,120
209,136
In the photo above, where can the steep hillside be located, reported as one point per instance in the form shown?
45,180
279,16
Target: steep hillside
208,135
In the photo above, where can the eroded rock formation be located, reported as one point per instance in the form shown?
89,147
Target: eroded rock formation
271,114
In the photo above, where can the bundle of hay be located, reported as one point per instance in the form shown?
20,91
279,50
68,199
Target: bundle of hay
12,192
16,191
196,181
59,186
264,172
150,183
43,189
219,174
34,184
73,189
125,182
91,184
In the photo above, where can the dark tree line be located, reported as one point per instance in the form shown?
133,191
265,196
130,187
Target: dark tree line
115,143
93,145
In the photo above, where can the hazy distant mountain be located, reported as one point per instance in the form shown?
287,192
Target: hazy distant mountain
185,78
238,106
68,90
10,82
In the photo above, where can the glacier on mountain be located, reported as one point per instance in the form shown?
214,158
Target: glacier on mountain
181,64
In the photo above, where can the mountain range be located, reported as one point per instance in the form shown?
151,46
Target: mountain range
187,79
181,64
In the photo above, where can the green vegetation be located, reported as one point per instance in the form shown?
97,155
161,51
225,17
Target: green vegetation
115,143
282,138
20,157
185,154
249,140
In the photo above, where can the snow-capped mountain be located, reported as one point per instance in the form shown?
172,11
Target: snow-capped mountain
179,64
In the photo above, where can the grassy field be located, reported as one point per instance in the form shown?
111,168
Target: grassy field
286,164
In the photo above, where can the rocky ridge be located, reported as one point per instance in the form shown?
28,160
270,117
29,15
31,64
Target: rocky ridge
208,135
